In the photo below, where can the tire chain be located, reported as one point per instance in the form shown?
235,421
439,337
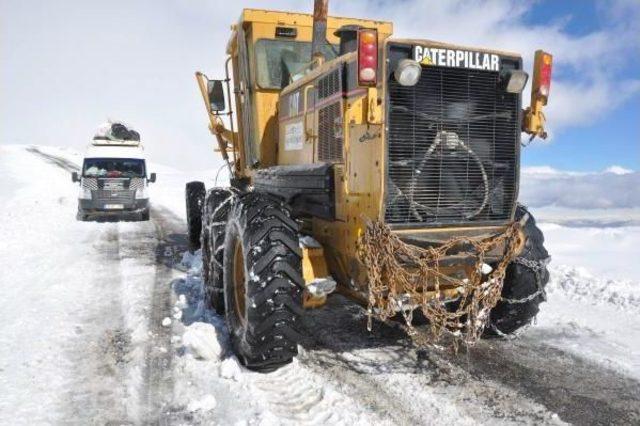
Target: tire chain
384,255
537,267
219,227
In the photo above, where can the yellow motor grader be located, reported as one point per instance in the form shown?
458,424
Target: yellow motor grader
385,169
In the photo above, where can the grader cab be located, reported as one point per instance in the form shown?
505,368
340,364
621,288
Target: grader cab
386,168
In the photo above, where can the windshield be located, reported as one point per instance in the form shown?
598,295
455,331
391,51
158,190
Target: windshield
278,60
113,167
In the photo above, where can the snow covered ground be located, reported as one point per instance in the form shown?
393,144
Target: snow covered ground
104,322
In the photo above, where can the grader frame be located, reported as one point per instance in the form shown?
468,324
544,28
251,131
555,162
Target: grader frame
333,173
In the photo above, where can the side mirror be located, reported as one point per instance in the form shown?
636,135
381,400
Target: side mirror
216,95
74,177
152,177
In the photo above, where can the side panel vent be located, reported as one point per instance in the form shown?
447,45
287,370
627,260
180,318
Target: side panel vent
330,84
330,137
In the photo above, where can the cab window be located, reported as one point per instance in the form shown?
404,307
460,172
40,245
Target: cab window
279,60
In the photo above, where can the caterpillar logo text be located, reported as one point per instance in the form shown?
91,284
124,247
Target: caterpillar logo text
456,58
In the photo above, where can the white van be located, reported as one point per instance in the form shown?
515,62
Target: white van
114,181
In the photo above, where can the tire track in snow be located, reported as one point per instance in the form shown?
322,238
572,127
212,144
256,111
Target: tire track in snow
98,392
296,399
63,163
298,396
157,388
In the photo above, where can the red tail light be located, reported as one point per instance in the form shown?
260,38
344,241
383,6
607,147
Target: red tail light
367,57
542,73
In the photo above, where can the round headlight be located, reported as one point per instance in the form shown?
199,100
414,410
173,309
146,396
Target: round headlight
408,72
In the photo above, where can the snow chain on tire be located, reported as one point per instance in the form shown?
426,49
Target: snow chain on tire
217,205
537,267
524,284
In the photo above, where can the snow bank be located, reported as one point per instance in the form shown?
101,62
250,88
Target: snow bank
201,339
579,284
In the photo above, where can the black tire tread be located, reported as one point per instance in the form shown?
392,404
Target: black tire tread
194,195
274,284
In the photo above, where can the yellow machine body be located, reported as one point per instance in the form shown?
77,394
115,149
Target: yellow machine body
359,177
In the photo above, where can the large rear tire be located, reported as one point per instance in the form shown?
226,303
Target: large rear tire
262,282
216,210
194,197
524,283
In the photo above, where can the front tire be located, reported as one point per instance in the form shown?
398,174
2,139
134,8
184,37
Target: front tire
194,197
262,282
524,283
81,215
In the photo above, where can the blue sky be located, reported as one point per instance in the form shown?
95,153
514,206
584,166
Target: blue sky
69,65
611,139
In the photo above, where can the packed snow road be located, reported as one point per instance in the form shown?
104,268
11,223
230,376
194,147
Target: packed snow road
104,323
82,339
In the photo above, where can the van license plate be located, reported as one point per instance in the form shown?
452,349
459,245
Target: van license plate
114,206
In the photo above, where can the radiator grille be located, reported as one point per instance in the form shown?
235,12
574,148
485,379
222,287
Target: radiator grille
118,197
453,143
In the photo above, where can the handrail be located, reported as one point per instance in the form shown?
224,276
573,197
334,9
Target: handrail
307,134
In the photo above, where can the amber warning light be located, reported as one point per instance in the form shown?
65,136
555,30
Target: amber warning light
542,74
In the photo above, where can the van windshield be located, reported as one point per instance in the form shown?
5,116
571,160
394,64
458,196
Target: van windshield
113,167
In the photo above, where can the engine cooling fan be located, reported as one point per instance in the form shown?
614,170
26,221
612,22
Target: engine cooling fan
448,180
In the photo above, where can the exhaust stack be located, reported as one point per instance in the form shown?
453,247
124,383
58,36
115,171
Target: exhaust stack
320,11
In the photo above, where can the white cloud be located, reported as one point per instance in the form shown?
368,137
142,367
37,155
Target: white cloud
615,187
584,102
618,170
69,65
